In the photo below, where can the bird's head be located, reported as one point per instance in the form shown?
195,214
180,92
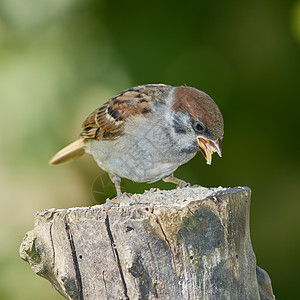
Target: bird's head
199,121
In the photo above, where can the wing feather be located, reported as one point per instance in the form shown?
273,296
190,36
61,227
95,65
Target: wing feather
107,121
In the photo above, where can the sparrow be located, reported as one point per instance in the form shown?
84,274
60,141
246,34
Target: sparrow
146,132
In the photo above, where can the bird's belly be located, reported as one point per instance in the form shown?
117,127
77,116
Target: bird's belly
138,163
139,170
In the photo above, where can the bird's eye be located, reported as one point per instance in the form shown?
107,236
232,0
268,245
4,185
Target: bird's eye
198,126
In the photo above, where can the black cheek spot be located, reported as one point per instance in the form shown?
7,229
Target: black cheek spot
178,126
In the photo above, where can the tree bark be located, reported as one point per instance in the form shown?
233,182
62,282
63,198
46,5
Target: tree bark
190,243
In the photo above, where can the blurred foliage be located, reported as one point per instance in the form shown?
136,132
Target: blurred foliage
59,60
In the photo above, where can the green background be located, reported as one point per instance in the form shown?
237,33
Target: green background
61,59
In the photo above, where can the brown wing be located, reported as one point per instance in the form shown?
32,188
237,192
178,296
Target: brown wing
107,122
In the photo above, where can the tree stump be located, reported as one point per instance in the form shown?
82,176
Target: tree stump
190,243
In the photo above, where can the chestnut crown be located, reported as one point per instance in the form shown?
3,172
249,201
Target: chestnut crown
201,108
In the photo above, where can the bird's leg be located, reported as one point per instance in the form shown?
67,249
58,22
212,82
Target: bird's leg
117,182
180,183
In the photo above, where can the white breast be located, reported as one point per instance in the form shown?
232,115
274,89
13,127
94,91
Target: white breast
142,154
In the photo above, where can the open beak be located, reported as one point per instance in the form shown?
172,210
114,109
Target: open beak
208,147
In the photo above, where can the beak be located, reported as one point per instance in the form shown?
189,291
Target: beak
208,147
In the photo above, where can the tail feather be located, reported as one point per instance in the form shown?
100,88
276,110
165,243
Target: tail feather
69,153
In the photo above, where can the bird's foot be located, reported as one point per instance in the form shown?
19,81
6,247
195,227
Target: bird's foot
183,184
180,183
196,186
120,197
125,194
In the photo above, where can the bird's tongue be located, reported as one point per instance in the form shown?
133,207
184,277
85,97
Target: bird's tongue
206,149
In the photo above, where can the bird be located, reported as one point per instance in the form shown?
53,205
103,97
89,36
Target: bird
146,132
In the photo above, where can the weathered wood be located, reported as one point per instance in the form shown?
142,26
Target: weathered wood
191,243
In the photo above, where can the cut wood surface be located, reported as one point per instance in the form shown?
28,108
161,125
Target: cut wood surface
190,243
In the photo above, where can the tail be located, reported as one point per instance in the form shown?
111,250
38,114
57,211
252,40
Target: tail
69,153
